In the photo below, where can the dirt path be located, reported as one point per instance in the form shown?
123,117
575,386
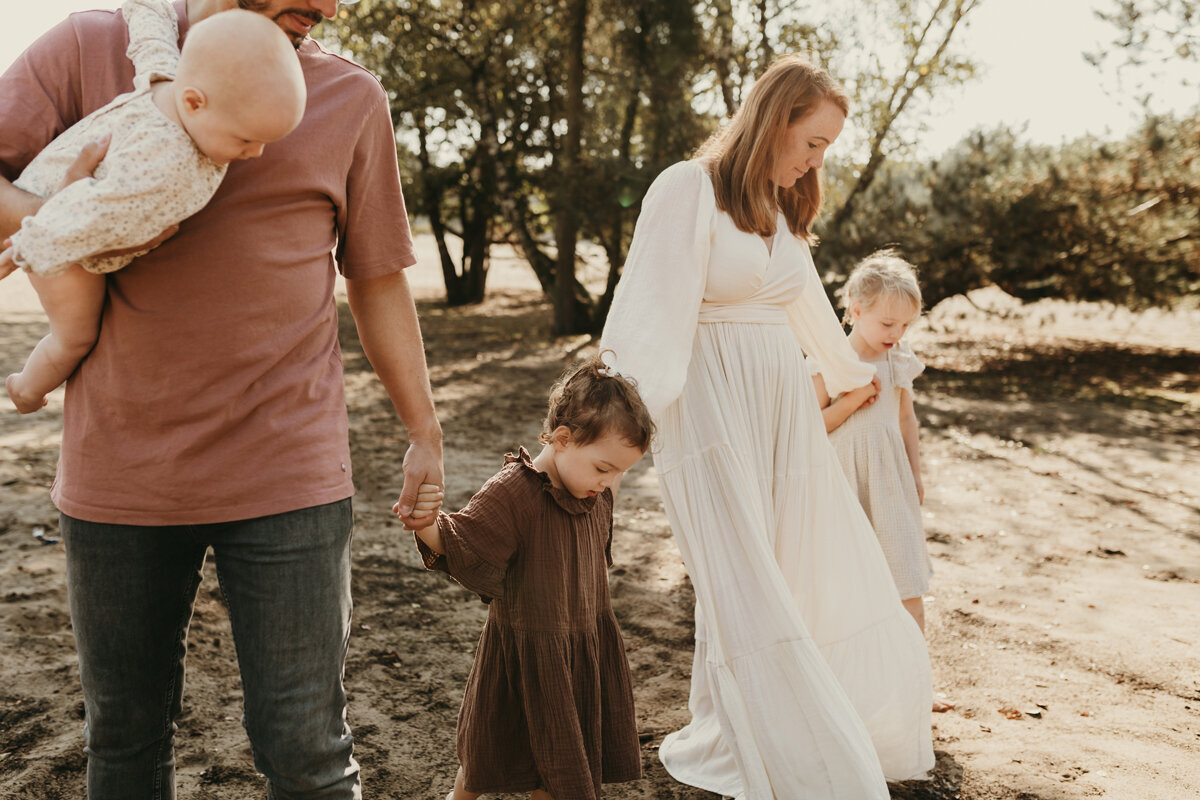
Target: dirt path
1063,511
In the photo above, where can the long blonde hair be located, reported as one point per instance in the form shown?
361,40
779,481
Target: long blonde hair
741,157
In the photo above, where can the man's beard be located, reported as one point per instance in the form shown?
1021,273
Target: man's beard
259,6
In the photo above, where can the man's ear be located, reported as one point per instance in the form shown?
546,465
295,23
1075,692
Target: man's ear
194,99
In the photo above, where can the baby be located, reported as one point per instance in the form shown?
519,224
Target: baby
236,85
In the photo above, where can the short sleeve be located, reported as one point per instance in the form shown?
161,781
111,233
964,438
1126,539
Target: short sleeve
481,540
374,237
905,366
656,307
39,98
816,327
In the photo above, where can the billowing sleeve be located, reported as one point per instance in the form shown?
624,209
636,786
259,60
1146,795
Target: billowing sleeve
153,40
820,335
906,366
652,323
149,184
481,540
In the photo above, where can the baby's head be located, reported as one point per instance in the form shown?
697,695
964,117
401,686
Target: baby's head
882,298
598,426
238,86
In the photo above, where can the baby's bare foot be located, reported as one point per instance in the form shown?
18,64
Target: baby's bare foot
25,403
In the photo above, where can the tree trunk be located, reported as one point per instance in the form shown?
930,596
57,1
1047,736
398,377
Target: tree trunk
566,227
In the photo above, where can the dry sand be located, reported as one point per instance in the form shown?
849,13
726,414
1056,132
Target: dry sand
1063,512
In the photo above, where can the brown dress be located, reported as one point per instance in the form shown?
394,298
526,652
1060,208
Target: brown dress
549,703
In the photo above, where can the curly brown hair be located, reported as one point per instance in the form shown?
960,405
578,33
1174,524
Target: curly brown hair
592,401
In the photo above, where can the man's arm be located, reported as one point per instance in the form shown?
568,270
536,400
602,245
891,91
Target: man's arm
386,317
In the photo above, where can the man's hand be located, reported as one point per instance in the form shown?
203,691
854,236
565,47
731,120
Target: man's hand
86,162
84,166
429,500
422,475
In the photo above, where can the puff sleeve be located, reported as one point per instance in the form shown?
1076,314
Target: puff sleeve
481,540
656,308
905,366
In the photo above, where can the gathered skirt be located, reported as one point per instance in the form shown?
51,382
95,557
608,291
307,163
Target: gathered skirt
810,680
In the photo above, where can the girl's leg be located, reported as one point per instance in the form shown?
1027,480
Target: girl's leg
73,302
460,790
916,607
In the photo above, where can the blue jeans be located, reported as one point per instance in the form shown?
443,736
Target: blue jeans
286,581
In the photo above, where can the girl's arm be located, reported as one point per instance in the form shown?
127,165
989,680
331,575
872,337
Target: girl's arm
838,411
910,430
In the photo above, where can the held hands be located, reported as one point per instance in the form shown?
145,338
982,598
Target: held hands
424,511
422,468
864,395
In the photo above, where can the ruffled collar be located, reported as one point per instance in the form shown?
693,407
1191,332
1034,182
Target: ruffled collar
565,500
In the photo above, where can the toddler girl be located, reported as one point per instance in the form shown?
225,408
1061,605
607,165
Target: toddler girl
236,85
548,707
876,434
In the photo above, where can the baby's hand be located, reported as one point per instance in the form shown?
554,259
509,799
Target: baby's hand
429,500
7,264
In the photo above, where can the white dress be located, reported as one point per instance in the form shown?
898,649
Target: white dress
871,449
810,680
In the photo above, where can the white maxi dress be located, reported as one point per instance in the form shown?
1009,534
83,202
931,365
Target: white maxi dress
809,680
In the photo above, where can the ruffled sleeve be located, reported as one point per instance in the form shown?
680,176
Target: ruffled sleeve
820,335
905,365
153,40
656,308
481,540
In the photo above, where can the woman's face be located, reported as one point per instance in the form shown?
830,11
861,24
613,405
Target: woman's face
805,143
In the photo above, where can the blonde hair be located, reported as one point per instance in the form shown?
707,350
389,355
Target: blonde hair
741,157
882,274
592,401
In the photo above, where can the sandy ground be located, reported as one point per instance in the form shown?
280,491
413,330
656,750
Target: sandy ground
1063,513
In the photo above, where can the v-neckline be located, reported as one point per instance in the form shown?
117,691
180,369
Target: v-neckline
769,242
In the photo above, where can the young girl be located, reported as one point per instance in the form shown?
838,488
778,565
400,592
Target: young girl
236,85
876,434
548,707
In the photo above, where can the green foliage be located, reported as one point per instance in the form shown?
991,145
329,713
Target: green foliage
1114,221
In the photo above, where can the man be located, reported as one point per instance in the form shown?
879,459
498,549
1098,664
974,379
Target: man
211,412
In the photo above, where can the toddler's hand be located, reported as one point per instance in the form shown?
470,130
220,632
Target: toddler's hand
429,500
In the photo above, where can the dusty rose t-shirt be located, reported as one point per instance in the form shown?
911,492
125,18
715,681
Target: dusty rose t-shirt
215,390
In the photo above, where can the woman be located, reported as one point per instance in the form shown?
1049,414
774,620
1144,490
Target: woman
809,678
